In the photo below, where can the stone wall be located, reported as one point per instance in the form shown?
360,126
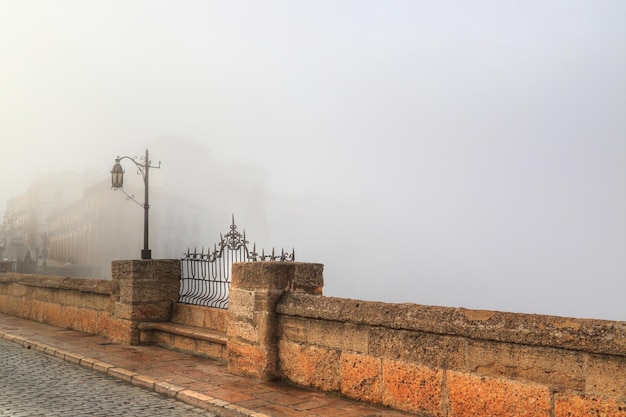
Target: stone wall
438,361
79,304
140,291
433,361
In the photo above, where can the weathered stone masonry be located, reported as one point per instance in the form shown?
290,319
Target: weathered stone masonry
433,361
441,361
80,304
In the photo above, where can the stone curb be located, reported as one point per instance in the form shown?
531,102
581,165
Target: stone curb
187,396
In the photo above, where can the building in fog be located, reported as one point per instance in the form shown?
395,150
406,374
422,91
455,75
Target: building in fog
94,230
25,220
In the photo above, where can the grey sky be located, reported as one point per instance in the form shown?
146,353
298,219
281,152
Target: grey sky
453,153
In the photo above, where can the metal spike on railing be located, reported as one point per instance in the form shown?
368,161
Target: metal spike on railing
253,255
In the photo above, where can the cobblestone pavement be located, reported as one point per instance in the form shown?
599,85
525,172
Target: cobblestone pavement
34,384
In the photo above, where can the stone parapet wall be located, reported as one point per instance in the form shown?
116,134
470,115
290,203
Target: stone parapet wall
452,362
140,291
433,361
78,304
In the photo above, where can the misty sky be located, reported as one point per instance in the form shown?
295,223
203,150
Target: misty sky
459,153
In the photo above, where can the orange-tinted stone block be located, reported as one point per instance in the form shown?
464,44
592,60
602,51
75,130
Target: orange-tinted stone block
574,405
310,366
52,314
122,331
479,396
361,377
249,360
412,387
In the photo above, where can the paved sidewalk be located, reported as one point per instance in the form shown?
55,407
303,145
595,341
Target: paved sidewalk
33,384
193,380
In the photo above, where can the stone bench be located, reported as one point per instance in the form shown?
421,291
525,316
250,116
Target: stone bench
184,338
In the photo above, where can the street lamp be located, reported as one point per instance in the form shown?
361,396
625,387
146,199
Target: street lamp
117,183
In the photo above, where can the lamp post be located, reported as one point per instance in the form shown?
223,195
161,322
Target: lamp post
117,183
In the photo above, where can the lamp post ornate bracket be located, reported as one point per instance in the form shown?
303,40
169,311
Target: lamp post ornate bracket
143,165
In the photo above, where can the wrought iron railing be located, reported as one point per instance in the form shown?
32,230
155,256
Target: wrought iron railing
205,275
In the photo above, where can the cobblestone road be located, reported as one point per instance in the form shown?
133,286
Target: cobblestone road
34,384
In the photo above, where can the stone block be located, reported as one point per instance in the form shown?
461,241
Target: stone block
41,294
292,329
146,337
480,396
267,328
251,360
311,366
143,381
216,319
101,323
212,350
123,331
25,309
361,377
241,305
266,300
93,301
3,300
158,311
188,314
68,316
336,335
12,306
87,321
606,376
143,291
183,343
308,278
556,368
37,310
73,298
52,314
122,374
162,338
262,275
170,390
577,405
414,388
432,350
17,290
147,269
241,330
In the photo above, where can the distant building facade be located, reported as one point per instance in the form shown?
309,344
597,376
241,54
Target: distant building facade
94,230
25,220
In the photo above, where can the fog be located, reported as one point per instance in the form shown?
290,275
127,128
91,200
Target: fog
452,153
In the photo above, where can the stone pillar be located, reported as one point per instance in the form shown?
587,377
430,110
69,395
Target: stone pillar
255,289
142,290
